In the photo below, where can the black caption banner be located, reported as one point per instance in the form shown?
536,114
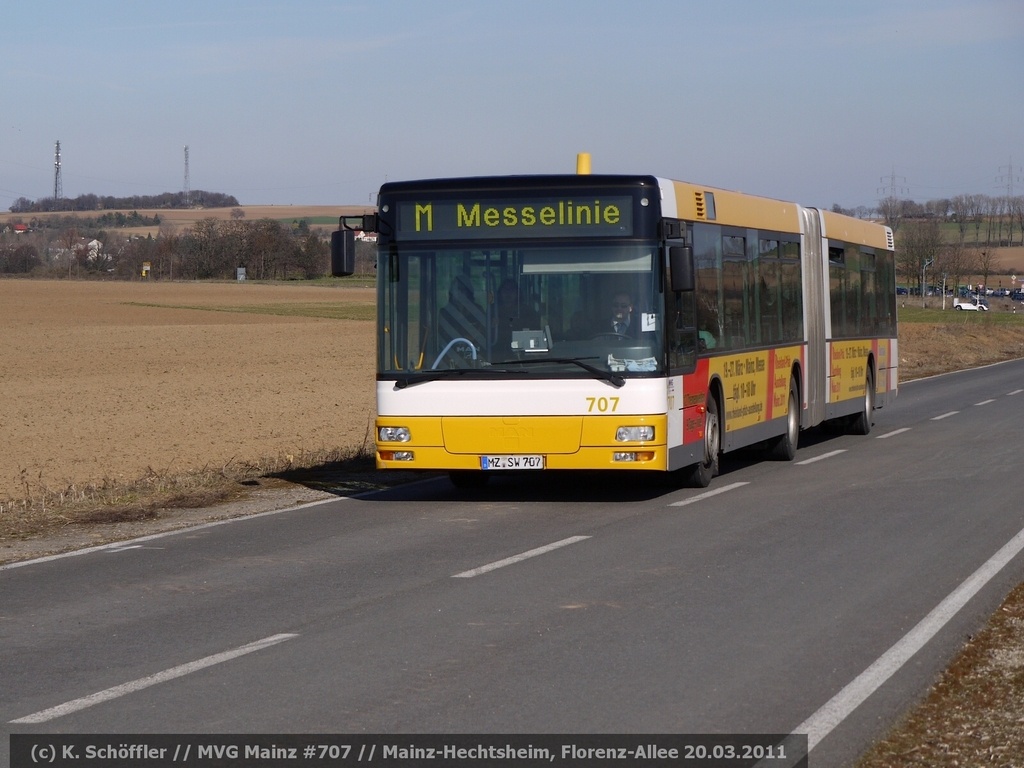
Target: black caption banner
405,750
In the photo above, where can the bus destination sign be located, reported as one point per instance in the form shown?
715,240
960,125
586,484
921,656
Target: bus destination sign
519,217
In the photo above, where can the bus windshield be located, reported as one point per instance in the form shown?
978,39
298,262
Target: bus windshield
520,309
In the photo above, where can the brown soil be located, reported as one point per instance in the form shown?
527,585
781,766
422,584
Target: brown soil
111,381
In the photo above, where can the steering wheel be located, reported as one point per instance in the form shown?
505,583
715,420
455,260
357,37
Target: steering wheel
454,355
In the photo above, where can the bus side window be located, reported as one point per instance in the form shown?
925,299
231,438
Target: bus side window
707,253
683,340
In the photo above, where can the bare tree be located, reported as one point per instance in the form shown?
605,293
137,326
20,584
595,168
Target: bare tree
1015,212
987,264
961,211
953,264
920,242
891,209
990,210
68,240
975,206
200,258
939,208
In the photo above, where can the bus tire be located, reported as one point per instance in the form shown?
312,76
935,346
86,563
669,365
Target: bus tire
783,448
699,475
860,423
468,479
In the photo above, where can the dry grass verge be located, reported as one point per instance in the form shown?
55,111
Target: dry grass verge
45,511
974,714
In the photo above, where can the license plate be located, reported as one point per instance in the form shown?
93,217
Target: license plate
505,461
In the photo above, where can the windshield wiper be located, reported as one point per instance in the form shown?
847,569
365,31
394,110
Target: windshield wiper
498,369
436,374
614,379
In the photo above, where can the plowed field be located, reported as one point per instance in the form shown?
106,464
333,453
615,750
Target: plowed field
115,380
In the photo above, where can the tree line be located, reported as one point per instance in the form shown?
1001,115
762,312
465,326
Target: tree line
107,219
197,198
953,238
993,220
212,249
925,256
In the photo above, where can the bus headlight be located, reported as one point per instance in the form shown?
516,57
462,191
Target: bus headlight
633,434
394,435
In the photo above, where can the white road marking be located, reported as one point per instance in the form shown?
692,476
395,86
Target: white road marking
175,532
893,433
828,455
986,402
1015,392
160,677
707,495
945,416
822,722
518,558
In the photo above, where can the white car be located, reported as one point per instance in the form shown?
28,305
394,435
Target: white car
971,306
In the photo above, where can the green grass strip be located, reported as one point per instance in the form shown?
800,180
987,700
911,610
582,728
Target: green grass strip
341,311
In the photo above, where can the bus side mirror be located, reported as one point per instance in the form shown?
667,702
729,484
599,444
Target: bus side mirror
680,264
343,252
343,242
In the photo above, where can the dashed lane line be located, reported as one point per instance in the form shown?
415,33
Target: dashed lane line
707,495
145,682
823,456
519,558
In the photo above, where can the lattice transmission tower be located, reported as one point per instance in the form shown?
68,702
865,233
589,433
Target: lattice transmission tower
187,187
897,185
890,206
58,185
1009,178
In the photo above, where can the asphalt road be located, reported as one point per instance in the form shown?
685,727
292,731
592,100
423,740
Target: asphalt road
819,596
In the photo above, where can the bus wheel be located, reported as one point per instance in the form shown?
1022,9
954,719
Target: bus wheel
860,424
699,475
783,448
468,479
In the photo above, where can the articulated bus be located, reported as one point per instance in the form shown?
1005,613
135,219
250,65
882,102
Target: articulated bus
600,322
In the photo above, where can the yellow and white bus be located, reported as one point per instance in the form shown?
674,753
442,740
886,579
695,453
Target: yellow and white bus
598,322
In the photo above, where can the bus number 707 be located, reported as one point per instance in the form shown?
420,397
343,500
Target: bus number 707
602,404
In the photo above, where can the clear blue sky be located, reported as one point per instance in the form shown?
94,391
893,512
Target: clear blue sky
319,102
